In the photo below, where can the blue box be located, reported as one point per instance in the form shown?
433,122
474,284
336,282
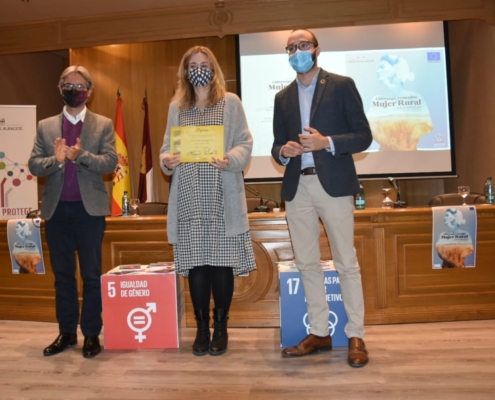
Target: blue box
294,325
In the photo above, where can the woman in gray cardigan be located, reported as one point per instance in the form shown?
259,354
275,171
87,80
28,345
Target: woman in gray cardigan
207,212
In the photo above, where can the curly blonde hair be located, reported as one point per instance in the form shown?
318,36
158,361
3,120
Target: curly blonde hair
185,94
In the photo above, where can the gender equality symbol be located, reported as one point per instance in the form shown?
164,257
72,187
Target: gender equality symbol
139,320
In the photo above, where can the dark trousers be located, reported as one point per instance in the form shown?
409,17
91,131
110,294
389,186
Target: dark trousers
69,230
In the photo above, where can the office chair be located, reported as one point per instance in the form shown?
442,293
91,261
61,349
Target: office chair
33,214
255,202
152,208
454,199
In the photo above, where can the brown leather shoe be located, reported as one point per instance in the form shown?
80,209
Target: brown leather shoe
310,344
358,355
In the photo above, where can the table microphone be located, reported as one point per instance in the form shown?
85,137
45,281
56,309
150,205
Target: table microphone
398,203
262,207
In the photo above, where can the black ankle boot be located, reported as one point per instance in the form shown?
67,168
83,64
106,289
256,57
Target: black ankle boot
220,338
202,342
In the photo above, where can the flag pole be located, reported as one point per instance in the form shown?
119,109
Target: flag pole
146,193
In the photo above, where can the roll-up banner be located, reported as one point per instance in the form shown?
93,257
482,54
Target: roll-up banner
18,188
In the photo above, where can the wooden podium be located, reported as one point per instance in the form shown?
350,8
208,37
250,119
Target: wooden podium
394,248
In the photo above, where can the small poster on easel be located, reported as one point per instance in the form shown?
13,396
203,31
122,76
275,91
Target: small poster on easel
454,237
25,246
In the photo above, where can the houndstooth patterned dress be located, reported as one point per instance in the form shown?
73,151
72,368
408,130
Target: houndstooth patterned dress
201,225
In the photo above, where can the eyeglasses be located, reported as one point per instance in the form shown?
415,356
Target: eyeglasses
292,48
77,86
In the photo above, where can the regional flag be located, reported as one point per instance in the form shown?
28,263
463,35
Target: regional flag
146,170
121,178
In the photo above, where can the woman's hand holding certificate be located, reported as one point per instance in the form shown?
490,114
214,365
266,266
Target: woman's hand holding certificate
220,163
171,161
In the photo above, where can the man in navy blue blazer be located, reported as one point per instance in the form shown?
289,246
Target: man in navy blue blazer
318,124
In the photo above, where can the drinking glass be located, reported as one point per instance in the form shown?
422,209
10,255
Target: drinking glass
134,206
387,201
464,192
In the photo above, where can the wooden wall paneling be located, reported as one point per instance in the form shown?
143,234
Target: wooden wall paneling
31,37
415,192
108,67
417,292
175,22
154,75
140,67
473,91
135,240
118,28
366,244
458,9
373,192
418,192
381,267
25,296
141,26
393,247
21,85
271,190
153,70
32,79
151,75
256,297
307,14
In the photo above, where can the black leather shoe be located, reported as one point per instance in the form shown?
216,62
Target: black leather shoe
91,346
62,341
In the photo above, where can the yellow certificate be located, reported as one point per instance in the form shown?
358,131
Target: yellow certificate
197,143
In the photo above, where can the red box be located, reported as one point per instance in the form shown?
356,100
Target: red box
142,310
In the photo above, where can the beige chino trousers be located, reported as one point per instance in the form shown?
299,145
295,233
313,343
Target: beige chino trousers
310,204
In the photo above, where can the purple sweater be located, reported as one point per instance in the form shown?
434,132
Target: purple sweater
70,190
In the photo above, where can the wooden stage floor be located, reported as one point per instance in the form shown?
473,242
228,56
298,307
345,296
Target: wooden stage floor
442,360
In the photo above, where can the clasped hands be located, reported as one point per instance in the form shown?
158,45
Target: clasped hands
173,161
62,151
308,142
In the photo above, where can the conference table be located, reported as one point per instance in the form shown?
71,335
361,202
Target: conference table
394,248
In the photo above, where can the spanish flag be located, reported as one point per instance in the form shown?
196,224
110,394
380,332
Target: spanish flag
121,178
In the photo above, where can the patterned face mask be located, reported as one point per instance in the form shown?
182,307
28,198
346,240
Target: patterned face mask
200,76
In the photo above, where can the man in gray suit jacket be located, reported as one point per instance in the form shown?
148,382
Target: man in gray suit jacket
73,150
318,124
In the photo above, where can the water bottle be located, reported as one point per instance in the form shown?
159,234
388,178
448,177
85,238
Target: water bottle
490,196
126,205
360,199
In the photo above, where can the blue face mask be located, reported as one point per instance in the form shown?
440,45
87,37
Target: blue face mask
302,61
